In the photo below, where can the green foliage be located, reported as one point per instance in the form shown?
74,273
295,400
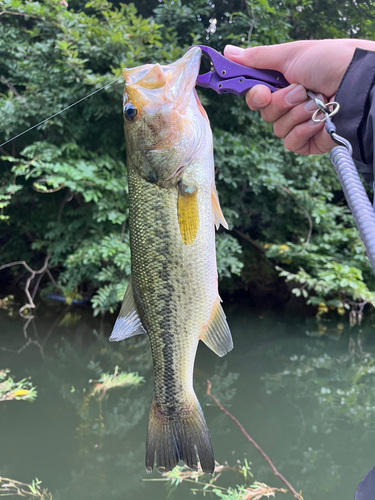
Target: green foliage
11,390
106,264
63,189
228,252
333,280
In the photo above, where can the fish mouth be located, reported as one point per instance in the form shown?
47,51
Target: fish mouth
170,83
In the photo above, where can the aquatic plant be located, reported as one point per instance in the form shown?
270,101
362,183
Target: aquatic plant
255,491
11,390
117,379
7,303
11,487
107,381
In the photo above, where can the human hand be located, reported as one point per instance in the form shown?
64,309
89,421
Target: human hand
316,65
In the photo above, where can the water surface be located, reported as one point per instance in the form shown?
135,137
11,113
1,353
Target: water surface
307,399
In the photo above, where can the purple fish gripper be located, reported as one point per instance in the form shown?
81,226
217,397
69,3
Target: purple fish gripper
232,78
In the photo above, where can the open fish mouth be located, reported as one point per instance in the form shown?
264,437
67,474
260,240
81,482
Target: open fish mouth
154,84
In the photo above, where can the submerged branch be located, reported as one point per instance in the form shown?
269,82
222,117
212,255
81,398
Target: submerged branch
296,495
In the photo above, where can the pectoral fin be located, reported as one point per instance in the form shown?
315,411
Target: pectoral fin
128,322
216,209
187,211
216,334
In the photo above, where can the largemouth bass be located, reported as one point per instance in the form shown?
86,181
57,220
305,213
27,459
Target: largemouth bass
172,294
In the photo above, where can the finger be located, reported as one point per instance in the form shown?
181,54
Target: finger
258,97
298,114
281,101
320,143
262,57
308,138
323,141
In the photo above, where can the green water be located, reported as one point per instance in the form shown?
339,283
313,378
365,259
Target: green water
308,400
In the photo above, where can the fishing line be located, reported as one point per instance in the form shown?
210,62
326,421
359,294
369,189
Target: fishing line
61,111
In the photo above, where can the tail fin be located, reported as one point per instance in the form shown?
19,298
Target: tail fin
175,435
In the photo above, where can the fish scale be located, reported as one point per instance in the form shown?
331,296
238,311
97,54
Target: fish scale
169,306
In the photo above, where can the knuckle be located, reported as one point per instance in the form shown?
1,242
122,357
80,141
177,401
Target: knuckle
279,130
250,101
289,146
299,133
290,143
267,115
304,150
255,52
294,115
257,98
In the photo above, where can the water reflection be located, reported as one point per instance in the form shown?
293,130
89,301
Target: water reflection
308,401
31,335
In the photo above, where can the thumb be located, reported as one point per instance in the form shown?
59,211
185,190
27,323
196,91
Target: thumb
261,57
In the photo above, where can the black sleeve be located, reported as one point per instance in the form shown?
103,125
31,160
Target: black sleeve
355,120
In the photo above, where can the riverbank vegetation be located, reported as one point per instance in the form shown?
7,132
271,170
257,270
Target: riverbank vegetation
63,190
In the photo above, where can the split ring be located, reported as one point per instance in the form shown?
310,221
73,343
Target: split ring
335,105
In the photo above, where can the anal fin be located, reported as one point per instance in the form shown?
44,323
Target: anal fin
217,335
128,322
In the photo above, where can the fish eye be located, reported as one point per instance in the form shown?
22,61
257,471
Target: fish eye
130,111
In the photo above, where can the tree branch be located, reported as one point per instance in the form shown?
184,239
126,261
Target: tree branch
30,297
18,14
296,495
246,237
10,86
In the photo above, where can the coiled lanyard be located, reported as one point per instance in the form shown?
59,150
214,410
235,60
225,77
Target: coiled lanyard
347,173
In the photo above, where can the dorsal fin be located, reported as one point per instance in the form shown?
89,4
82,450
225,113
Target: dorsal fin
216,209
216,335
128,322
